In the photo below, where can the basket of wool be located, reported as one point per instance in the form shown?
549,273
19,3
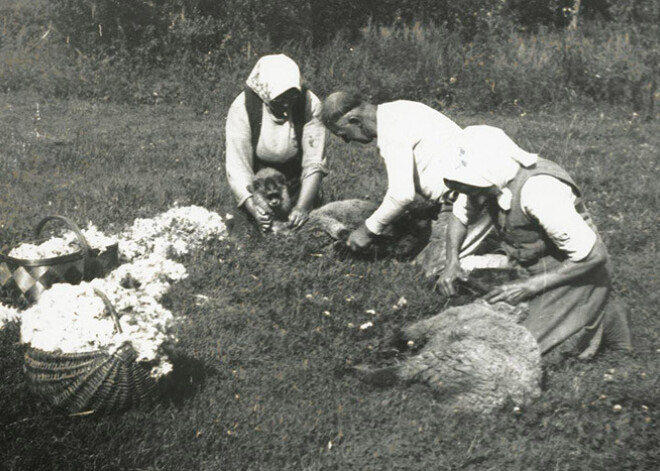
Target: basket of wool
84,356
30,269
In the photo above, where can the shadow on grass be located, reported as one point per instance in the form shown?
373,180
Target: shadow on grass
188,377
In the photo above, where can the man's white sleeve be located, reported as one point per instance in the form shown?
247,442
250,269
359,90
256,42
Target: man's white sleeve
400,166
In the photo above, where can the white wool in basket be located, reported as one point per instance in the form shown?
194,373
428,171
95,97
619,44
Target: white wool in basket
72,319
66,244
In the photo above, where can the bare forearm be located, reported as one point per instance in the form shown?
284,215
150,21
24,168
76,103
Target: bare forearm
456,233
570,271
309,188
250,206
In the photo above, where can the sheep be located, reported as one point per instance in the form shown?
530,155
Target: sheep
338,218
475,357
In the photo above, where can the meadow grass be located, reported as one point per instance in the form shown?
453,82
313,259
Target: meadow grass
262,380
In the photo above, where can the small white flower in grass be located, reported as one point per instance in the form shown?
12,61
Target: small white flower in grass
645,407
309,296
327,313
617,408
329,446
371,312
350,325
411,343
401,303
200,299
517,410
366,325
325,299
349,299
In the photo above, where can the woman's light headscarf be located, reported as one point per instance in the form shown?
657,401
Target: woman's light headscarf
273,75
486,156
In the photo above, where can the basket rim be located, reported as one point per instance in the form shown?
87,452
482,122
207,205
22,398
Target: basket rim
70,257
98,351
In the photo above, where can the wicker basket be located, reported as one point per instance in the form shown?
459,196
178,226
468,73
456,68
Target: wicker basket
25,280
91,381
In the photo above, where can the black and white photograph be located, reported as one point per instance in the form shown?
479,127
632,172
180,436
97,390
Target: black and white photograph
329,235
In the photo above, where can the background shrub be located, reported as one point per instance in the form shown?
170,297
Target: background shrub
475,55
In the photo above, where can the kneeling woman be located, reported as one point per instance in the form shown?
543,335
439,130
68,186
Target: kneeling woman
545,229
275,123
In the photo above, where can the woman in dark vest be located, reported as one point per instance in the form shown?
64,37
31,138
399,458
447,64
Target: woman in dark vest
275,123
546,230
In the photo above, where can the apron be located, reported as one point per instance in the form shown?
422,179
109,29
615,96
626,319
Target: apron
292,168
572,319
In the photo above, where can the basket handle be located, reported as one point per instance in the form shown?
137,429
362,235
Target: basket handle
110,307
86,249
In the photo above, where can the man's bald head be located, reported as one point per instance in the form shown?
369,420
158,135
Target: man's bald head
347,115
339,103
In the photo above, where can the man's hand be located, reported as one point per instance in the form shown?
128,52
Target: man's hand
513,293
360,239
298,217
449,275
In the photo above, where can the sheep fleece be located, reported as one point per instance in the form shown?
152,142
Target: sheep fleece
476,357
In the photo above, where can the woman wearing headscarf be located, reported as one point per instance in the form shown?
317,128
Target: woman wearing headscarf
275,123
546,230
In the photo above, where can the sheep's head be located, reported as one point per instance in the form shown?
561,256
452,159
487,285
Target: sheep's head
269,190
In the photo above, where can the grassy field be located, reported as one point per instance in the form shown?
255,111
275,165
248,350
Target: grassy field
262,380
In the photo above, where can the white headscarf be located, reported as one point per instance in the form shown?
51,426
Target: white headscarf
485,156
273,75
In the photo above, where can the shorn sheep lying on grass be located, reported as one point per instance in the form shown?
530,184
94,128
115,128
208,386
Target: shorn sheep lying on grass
338,218
476,357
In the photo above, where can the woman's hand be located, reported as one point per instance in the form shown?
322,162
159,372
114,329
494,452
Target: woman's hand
514,293
360,239
298,217
449,275
263,216
264,219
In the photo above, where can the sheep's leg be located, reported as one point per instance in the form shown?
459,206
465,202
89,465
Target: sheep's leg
421,330
331,226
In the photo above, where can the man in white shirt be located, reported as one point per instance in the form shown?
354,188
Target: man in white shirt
275,123
413,142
